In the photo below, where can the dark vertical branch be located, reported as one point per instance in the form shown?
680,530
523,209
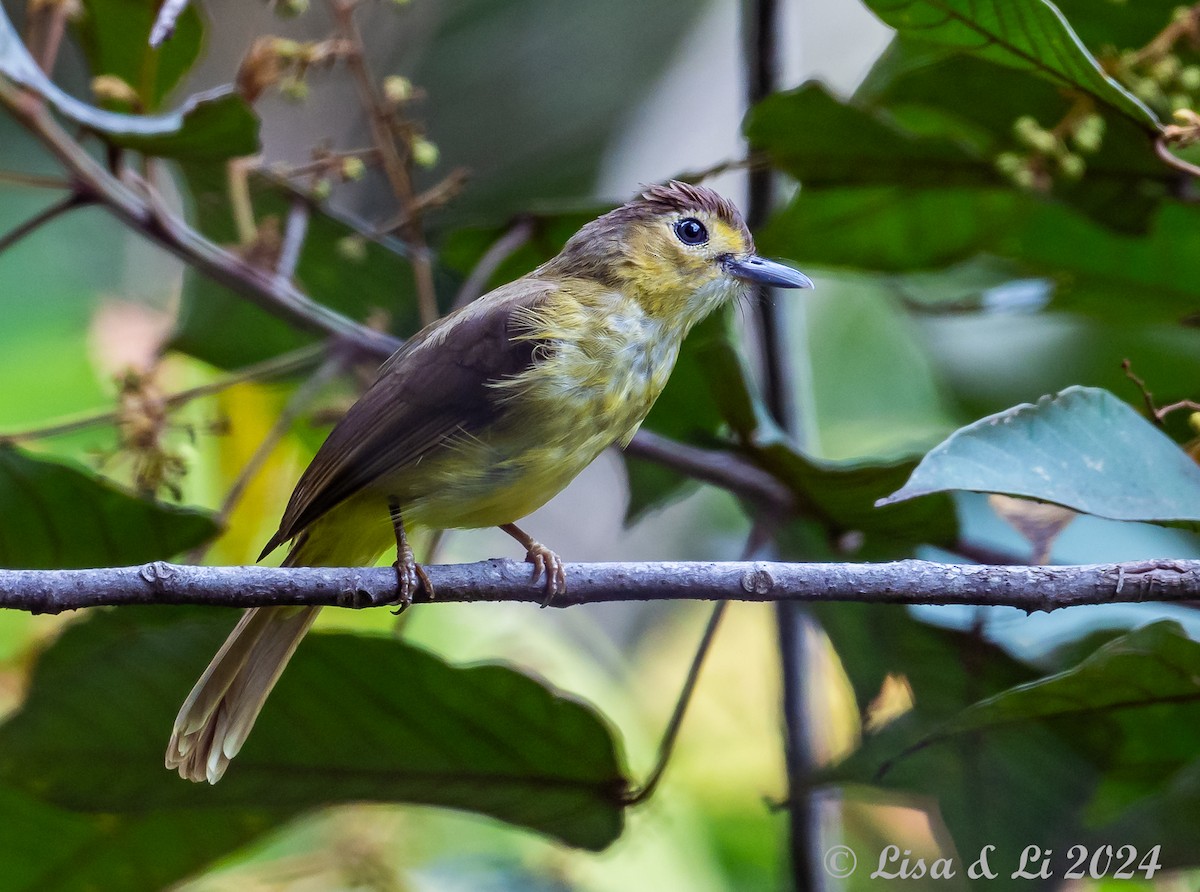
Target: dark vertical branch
761,21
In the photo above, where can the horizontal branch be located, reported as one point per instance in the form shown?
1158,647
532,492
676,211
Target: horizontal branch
900,582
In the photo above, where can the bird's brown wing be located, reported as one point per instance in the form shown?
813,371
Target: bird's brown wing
432,388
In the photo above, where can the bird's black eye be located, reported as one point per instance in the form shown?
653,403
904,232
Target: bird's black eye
691,231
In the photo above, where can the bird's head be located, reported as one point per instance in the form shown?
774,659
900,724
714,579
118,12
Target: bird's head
680,250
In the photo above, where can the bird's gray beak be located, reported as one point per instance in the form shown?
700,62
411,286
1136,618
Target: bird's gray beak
766,272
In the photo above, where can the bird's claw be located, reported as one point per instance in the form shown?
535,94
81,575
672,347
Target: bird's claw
546,561
410,576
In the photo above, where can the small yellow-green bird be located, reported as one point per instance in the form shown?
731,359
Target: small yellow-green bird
485,415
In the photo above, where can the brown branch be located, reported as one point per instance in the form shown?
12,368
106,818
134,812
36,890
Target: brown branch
723,469
145,213
1029,588
395,167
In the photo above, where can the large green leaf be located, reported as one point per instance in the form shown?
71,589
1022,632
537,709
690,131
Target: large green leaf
1005,790
843,497
1143,690
1124,180
1094,270
1084,449
821,141
57,516
1154,666
51,849
353,718
1031,35
891,228
212,125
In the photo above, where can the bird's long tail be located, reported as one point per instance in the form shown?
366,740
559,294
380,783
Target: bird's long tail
218,714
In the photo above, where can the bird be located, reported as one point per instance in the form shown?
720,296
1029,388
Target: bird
483,416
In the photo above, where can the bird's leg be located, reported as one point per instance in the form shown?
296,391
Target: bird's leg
409,574
544,561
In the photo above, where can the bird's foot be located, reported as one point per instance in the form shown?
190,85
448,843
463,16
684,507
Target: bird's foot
410,576
546,561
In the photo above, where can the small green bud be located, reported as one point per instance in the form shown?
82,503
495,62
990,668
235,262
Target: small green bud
424,153
352,248
1008,163
321,189
1088,134
353,169
1025,179
1025,127
287,49
397,89
1147,90
1189,78
1072,166
1046,143
294,88
1165,69
1178,101
292,8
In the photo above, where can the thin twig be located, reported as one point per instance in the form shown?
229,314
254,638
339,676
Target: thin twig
723,469
435,196
276,367
666,745
1166,155
54,18
514,238
753,161
44,216
33,180
296,404
395,167
1029,588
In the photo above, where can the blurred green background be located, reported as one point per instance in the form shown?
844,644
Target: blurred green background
953,282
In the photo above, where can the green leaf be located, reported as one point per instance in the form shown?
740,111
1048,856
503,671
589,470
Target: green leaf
115,37
878,640
1030,35
821,142
372,278
1084,449
843,496
353,718
1140,690
58,850
1124,181
55,516
891,228
1155,665
181,133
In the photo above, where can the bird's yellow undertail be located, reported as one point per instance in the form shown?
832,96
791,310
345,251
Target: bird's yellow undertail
485,415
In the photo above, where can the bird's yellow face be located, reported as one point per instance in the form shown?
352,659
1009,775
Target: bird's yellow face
679,250
677,258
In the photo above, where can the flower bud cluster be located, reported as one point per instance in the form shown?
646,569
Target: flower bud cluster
1047,154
